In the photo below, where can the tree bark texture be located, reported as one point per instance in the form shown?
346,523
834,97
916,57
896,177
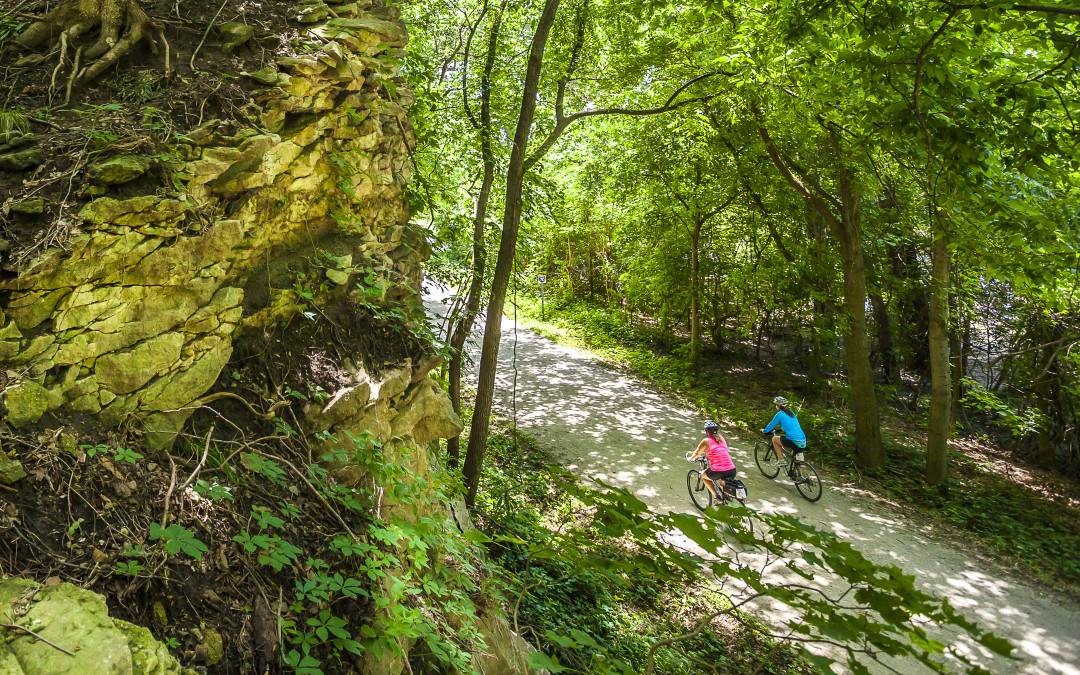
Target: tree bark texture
856,345
937,432
515,175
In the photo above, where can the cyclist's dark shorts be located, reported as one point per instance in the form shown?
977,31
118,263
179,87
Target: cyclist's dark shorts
722,475
788,443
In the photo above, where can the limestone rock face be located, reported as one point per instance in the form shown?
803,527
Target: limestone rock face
507,652
134,319
77,620
29,207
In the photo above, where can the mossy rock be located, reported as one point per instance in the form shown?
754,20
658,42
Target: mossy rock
11,470
119,169
77,620
234,34
21,160
29,207
26,403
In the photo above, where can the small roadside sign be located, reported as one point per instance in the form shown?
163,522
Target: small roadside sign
542,279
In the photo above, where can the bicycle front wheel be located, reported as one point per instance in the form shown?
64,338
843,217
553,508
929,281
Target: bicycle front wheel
767,461
807,482
699,492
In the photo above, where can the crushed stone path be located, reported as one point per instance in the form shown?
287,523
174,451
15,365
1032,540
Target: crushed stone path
603,424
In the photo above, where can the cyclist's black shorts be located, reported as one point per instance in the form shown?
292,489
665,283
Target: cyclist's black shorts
722,475
788,443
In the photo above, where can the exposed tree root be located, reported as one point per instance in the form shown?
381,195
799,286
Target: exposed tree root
123,24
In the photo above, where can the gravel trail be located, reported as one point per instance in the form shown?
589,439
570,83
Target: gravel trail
602,424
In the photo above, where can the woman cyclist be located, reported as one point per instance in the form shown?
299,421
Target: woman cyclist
721,468
793,437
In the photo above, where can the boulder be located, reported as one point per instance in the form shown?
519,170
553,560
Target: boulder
29,207
78,621
119,169
11,470
233,34
21,160
26,403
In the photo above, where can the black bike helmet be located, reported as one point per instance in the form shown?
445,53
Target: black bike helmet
711,427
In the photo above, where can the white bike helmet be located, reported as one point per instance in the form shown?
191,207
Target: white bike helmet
780,400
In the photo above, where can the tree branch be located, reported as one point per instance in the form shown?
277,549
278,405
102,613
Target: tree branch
575,55
465,68
816,202
669,105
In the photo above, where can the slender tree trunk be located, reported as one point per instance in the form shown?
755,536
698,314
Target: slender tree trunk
937,433
479,252
515,175
695,301
1045,401
884,339
956,355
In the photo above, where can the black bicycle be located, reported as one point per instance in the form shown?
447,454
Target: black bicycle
799,470
703,498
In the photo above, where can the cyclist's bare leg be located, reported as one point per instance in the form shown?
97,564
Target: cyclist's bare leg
712,486
779,447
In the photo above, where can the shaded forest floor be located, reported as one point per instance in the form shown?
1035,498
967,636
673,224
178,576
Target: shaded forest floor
1010,515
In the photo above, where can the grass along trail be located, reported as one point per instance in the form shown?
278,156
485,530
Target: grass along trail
602,424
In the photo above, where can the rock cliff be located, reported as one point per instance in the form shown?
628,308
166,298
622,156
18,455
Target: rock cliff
134,317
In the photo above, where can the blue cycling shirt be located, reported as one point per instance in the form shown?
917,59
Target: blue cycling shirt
790,426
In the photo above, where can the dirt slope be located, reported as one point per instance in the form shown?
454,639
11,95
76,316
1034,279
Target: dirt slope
602,424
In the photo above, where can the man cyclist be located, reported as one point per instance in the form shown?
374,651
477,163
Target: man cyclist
721,468
793,437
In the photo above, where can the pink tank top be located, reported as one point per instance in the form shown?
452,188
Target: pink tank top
717,452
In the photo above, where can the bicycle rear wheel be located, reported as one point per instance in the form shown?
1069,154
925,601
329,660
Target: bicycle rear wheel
699,492
807,482
767,461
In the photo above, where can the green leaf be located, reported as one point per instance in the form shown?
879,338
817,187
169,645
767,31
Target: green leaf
540,660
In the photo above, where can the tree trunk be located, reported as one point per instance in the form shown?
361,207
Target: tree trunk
956,354
695,302
937,432
1045,402
515,176
884,339
479,251
848,230
856,345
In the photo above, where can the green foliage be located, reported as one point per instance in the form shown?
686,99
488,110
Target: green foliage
178,539
125,455
11,120
130,568
1018,423
214,491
